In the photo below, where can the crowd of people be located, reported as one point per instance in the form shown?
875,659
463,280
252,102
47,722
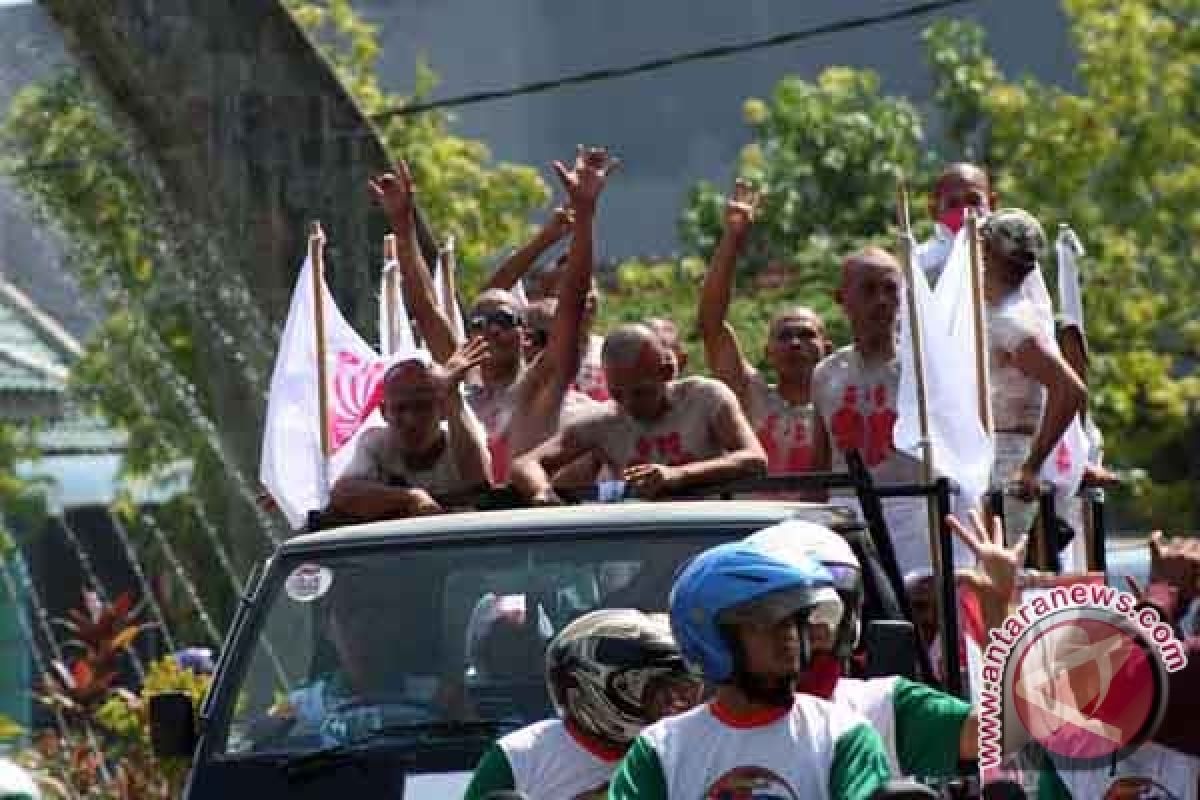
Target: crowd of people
534,398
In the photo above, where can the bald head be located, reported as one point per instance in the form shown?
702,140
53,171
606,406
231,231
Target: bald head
869,260
496,299
963,172
627,345
795,314
959,187
411,374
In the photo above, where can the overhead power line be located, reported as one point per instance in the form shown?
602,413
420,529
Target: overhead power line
600,75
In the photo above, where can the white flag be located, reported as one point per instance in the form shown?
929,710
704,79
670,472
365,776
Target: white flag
1070,294
395,328
962,449
1065,465
518,291
443,278
293,468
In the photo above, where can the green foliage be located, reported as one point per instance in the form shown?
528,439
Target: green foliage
140,368
1117,162
828,155
10,731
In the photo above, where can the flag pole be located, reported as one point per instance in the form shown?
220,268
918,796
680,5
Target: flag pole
316,252
946,606
388,333
983,377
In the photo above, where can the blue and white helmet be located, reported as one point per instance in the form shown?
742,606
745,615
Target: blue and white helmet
735,581
797,542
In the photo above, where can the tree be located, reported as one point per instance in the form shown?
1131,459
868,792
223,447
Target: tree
829,155
1117,162
140,369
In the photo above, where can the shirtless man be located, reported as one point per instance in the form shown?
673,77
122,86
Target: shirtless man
961,186
399,470
783,415
660,435
519,404
855,396
668,331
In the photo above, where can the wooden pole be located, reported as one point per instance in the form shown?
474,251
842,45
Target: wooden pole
947,608
388,332
316,252
983,376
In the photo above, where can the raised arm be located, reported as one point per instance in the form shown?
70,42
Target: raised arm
553,373
519,263
1066,396
468,440
721,348
394,192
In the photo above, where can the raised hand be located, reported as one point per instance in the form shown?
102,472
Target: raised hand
585,180
742,208
471,354
448,246
394,192
1000,565
1176,561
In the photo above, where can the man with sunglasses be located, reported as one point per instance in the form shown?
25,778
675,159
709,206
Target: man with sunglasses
783,415
659,435
518,404
544,293
399,470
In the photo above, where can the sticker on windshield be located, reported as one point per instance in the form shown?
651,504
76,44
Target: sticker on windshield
308,582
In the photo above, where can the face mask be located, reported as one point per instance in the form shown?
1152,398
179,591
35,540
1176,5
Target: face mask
821,677
953,218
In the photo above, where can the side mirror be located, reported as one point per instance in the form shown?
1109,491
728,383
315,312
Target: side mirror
891,647
172,725
904,790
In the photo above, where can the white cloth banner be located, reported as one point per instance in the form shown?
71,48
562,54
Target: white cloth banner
1064,468
394,322
292,468
443,279
1069,250
962,450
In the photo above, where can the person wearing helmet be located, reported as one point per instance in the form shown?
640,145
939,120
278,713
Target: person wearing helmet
749,622
609,673
926,732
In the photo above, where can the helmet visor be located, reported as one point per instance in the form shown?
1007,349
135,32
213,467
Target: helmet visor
775,606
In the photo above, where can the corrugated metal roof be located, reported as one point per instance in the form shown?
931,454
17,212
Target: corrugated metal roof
36,354
78,431
33,347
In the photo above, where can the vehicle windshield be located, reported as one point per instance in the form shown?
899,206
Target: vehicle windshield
430,640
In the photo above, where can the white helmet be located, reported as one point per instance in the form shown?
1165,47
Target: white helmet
797,541
599,667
